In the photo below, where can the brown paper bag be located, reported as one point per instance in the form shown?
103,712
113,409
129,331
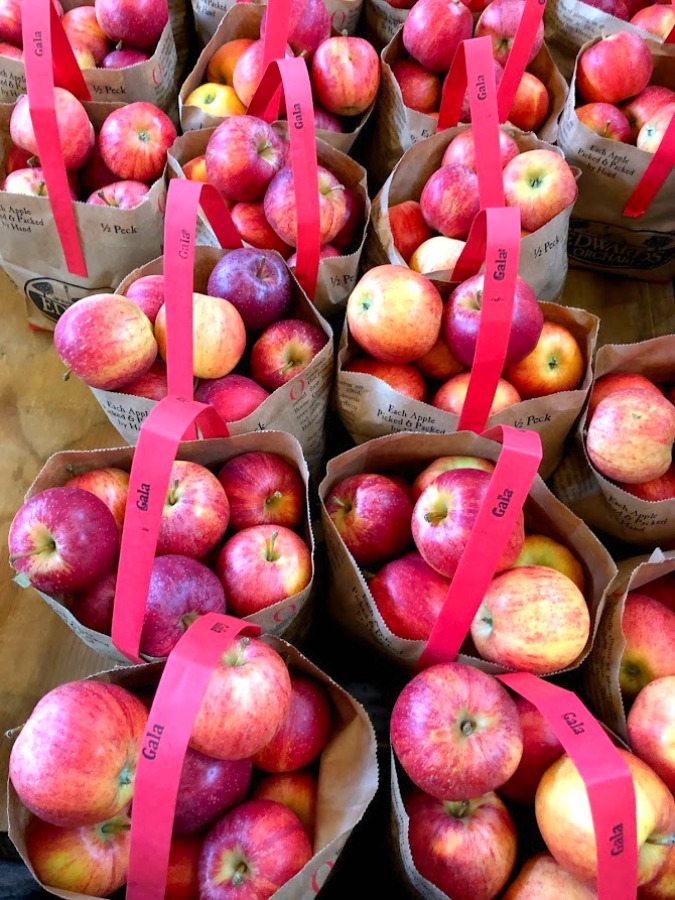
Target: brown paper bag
243,21
338,274
290,618
350,600
595,498
114,241
601,236
398,127
382,21
603,666
543,254
370,408
298,408
348,775
344,15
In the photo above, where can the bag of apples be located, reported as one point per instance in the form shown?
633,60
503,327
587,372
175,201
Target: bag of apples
113,155
164,539
422,215
622,480
411,524
493,355
572,23
145,69
623,221
220,301
344,71
263,192
246,768
531,91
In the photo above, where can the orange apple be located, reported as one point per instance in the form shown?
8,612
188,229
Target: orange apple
220,69
437,254
218,100
451,395
530,105
195,169
296,790
439,363
564,818
539,550
541,878
408,227
402,378
555,364
616,381
447,464
394,314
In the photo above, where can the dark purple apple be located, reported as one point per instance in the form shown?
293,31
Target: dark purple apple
461,319
256,282
208,788
181,590
233,396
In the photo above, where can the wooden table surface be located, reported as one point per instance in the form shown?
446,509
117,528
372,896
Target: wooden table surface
40,414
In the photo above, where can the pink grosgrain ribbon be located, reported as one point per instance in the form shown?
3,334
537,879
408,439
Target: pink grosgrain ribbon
154,455
49,61
512,479
277,27
605,774
518,57
179,694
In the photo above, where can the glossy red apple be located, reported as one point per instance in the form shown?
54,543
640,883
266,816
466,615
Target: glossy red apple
280,206
345,75
109,484
434,29
139,23
616,381
409,596
208,788
325,121
147,293
263,489
653,131
447,464
256,283
309,26
234,397
242,157
541,878
350,236
542,184
284,350
605,120
602,73
462,150
296,790
182,878
93,607
76,133
408,228
651,727
120,195
649,630
152,385
134,141
81,27
661,488
196,511
254,229
500,20
122,59
248,72
402,378
449,200
658,19
541,748
530,105
640,109
10,22
95,175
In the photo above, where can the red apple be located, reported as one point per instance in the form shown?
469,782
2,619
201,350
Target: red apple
248,72
439,363
652,132
448,464
196,512
10,22
148,294
372,516
95,175
445,514
613,382
351,234
641,108
500,20
462,150
234,397
467,848
18,159
309,26
449,199
81,27
76,133
134,141
56,764
408,228
261,566
530,105
651,727
106,340
254,229
542,184
263,489
402,378
409,596
93,607
662,589
325,121
649,629
605,120
541,748
420,88
182,880
111,485
618,8
82,859
284,350
253,851
208,788
345,74
658,19
602,73
139,23
541,878
434,29
296,790
456,732
662,488
304,732
63,539
246,700
555,364
394,314
256,283
451,396
30,181
120,194
631,434
153,385
280,206
122,59
326,251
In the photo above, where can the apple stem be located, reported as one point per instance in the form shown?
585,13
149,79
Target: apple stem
66,375
171,496
239,876
32,162
434,518
261,267
114,827
277,495
272,555
103,197
49,548
188,619
666,840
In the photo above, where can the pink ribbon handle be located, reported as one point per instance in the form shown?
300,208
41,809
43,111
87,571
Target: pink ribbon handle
506,495
277,27
659,168
473,67
49,60
498,230
519,56
180,225
155,452
174,709
292,75
605,774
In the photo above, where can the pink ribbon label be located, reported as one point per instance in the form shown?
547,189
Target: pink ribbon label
659,168
519,55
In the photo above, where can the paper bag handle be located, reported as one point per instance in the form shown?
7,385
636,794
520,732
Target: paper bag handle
511,480
154,455
606,776
497,233
473,67
516,64
49,61
659,168
174,709
183,200
293,76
